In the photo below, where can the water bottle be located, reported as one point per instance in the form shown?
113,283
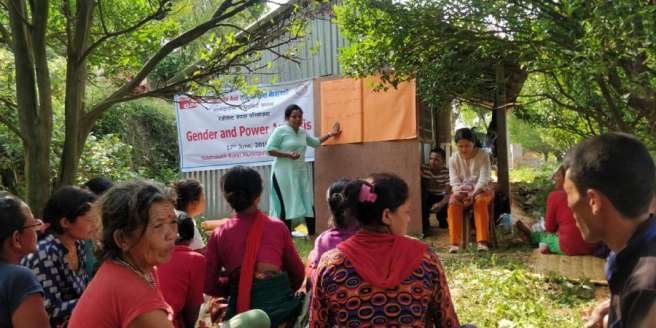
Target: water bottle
505,222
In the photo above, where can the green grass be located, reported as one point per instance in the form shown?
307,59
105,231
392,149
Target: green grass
303,246
529,174
530,188
499,290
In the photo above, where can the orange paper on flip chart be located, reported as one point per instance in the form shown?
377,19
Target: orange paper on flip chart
391,114
341,101
366,115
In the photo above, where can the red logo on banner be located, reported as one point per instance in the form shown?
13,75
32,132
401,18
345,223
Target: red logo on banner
187,103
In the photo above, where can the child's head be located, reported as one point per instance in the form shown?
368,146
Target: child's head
336,203
185,229
379,202
558,178
190,196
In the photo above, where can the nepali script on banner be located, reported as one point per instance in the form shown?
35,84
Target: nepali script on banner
216,133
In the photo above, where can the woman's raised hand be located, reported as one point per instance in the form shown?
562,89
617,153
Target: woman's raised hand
336,130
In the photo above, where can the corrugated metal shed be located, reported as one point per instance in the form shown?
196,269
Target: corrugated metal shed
318,53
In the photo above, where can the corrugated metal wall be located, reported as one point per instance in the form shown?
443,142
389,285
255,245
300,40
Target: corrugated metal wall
318,53
313,64
216,206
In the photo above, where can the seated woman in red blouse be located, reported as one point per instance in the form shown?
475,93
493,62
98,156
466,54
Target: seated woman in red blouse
251,258
380,277
182,278
561,235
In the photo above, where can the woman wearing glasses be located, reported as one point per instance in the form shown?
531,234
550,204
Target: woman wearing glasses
21,294
59,260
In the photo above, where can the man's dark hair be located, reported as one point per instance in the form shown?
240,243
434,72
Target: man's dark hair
619,166
439,151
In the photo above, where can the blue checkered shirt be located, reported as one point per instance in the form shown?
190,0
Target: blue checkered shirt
62,286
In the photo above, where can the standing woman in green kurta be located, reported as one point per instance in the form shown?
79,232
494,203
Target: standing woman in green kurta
290,196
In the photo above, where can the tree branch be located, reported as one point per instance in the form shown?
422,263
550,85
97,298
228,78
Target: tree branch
12,127
101,16
561,88
40,53
66,7
224,12
239,7
6,37
554,99
222,8
4,119
614,110
182,40
19,12
161,10
201,63
589,123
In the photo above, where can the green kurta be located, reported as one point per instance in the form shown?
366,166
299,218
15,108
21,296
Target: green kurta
292,175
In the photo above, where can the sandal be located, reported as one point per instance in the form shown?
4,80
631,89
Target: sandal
525,232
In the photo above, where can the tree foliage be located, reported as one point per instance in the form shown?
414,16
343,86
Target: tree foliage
148,127
595,59
450,55
541,139
86,56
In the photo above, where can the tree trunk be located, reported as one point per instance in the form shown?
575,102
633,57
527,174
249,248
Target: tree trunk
74,109
503,167
76,82
33,95
443,115
37,171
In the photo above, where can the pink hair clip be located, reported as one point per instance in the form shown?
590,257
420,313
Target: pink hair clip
366,195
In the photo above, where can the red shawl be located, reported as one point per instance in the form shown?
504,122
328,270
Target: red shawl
253,240
383,259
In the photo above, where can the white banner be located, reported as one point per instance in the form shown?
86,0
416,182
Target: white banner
215,133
